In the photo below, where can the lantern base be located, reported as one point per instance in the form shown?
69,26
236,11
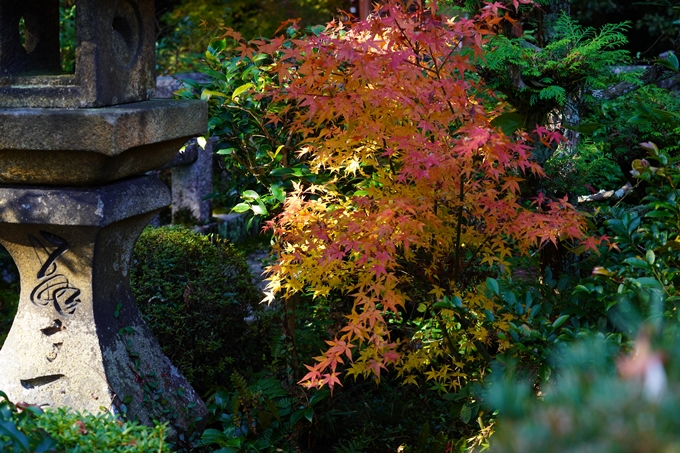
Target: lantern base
78,338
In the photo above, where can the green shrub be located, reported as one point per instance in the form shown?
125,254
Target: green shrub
591,408
75,432
587,405
187,29
647,114
263,415
9,293
571,174
194,293
641,274
27,429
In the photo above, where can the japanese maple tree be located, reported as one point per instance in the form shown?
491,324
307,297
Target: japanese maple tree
419,188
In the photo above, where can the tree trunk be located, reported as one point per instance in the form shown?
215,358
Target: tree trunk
548,15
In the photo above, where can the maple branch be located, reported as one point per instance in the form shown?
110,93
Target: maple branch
257,119
419,66
459,230
479,247
651,75
478,344
446,60
449,341
240,160
434,62
403,34
285,150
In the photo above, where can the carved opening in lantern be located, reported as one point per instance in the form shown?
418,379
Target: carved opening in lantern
30,38
51,58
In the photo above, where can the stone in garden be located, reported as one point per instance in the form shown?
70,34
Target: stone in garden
115,62
191,183
78,339
94,146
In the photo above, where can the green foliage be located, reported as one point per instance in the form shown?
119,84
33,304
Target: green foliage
649,113
195,293
537,80
18,430
386,417
27,429
260,417
540,313
569,173
259,154
653,21
67,35
187,29
75,432
591,408
642,273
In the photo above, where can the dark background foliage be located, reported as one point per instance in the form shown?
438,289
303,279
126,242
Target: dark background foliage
653,30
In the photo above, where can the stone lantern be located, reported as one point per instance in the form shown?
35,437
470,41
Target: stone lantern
115,62
74,197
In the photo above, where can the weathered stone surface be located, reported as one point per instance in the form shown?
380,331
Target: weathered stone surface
78,339
41,146
187,155
167,85
234,227
115,61
191,183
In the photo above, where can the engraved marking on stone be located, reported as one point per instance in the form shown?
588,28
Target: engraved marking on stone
56,347
48,266
53,287
56,327
40,381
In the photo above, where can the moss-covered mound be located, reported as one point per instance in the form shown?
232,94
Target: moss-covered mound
194,292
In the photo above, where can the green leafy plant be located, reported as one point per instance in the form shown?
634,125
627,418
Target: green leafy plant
653,21
642,273
67,35
75,432
195,293
619,125
600,400
575,63
258,153
589,169
384,417
28,429
260,417
18,432
188,28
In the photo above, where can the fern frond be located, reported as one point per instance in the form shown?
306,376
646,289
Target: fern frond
577,61
555,93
